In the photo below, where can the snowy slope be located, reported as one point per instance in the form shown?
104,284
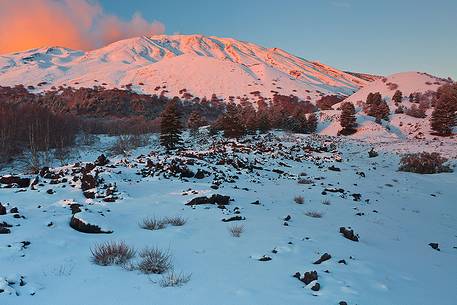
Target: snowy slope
400,126
397,216
202,65
407,82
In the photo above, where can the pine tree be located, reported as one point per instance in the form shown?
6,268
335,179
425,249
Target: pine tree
398,97
311,123
263,122
382,111
195,121
444,115
232,122
170,127
347,118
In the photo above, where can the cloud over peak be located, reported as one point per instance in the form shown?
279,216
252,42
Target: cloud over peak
76,24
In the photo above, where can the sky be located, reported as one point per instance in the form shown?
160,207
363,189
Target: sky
379,37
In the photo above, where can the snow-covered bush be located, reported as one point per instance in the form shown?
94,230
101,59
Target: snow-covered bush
236,230
424,163
112,253
172,279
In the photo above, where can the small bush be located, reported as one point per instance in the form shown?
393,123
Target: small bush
305,181
112,253
172,279
326,202
299,199
176,221
424,163
236,230
155,261
314,214
153,223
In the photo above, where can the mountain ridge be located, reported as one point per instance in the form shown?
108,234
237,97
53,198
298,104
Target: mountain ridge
204,65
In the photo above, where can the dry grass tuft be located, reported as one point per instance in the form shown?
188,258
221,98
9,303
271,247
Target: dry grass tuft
326,202
236,230
155,261
172,279
112,253
314,214
176,221
153,223
299,199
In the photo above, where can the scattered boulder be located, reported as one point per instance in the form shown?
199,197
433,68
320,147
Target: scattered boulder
81,226
349,234
2,210
435,246
14,180
88,182
4,228
309,277
265,258
334,168
372,153
323,258
101,160
356,196
316,287
214,199
233,218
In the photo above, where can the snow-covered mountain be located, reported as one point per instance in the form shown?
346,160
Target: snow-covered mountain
202,65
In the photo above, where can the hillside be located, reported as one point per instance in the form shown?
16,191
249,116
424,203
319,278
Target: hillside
400,126
169,64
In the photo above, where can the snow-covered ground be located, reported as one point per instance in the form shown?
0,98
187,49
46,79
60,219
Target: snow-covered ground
397,216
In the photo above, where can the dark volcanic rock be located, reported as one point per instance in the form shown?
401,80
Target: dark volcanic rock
334,168
308,277
75,208
214,199
434,246
14,180
83,227
88,182
233,218
265,258
316,287
101,160
349,234
323,258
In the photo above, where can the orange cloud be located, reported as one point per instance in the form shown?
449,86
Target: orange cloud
76,24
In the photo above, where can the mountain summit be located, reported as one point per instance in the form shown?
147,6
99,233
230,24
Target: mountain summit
175,64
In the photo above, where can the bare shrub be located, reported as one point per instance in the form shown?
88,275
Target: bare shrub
236,230
172,279
112,253
424,163
176,221
299,199
326,202
126,143
314,214
155,261
153,223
